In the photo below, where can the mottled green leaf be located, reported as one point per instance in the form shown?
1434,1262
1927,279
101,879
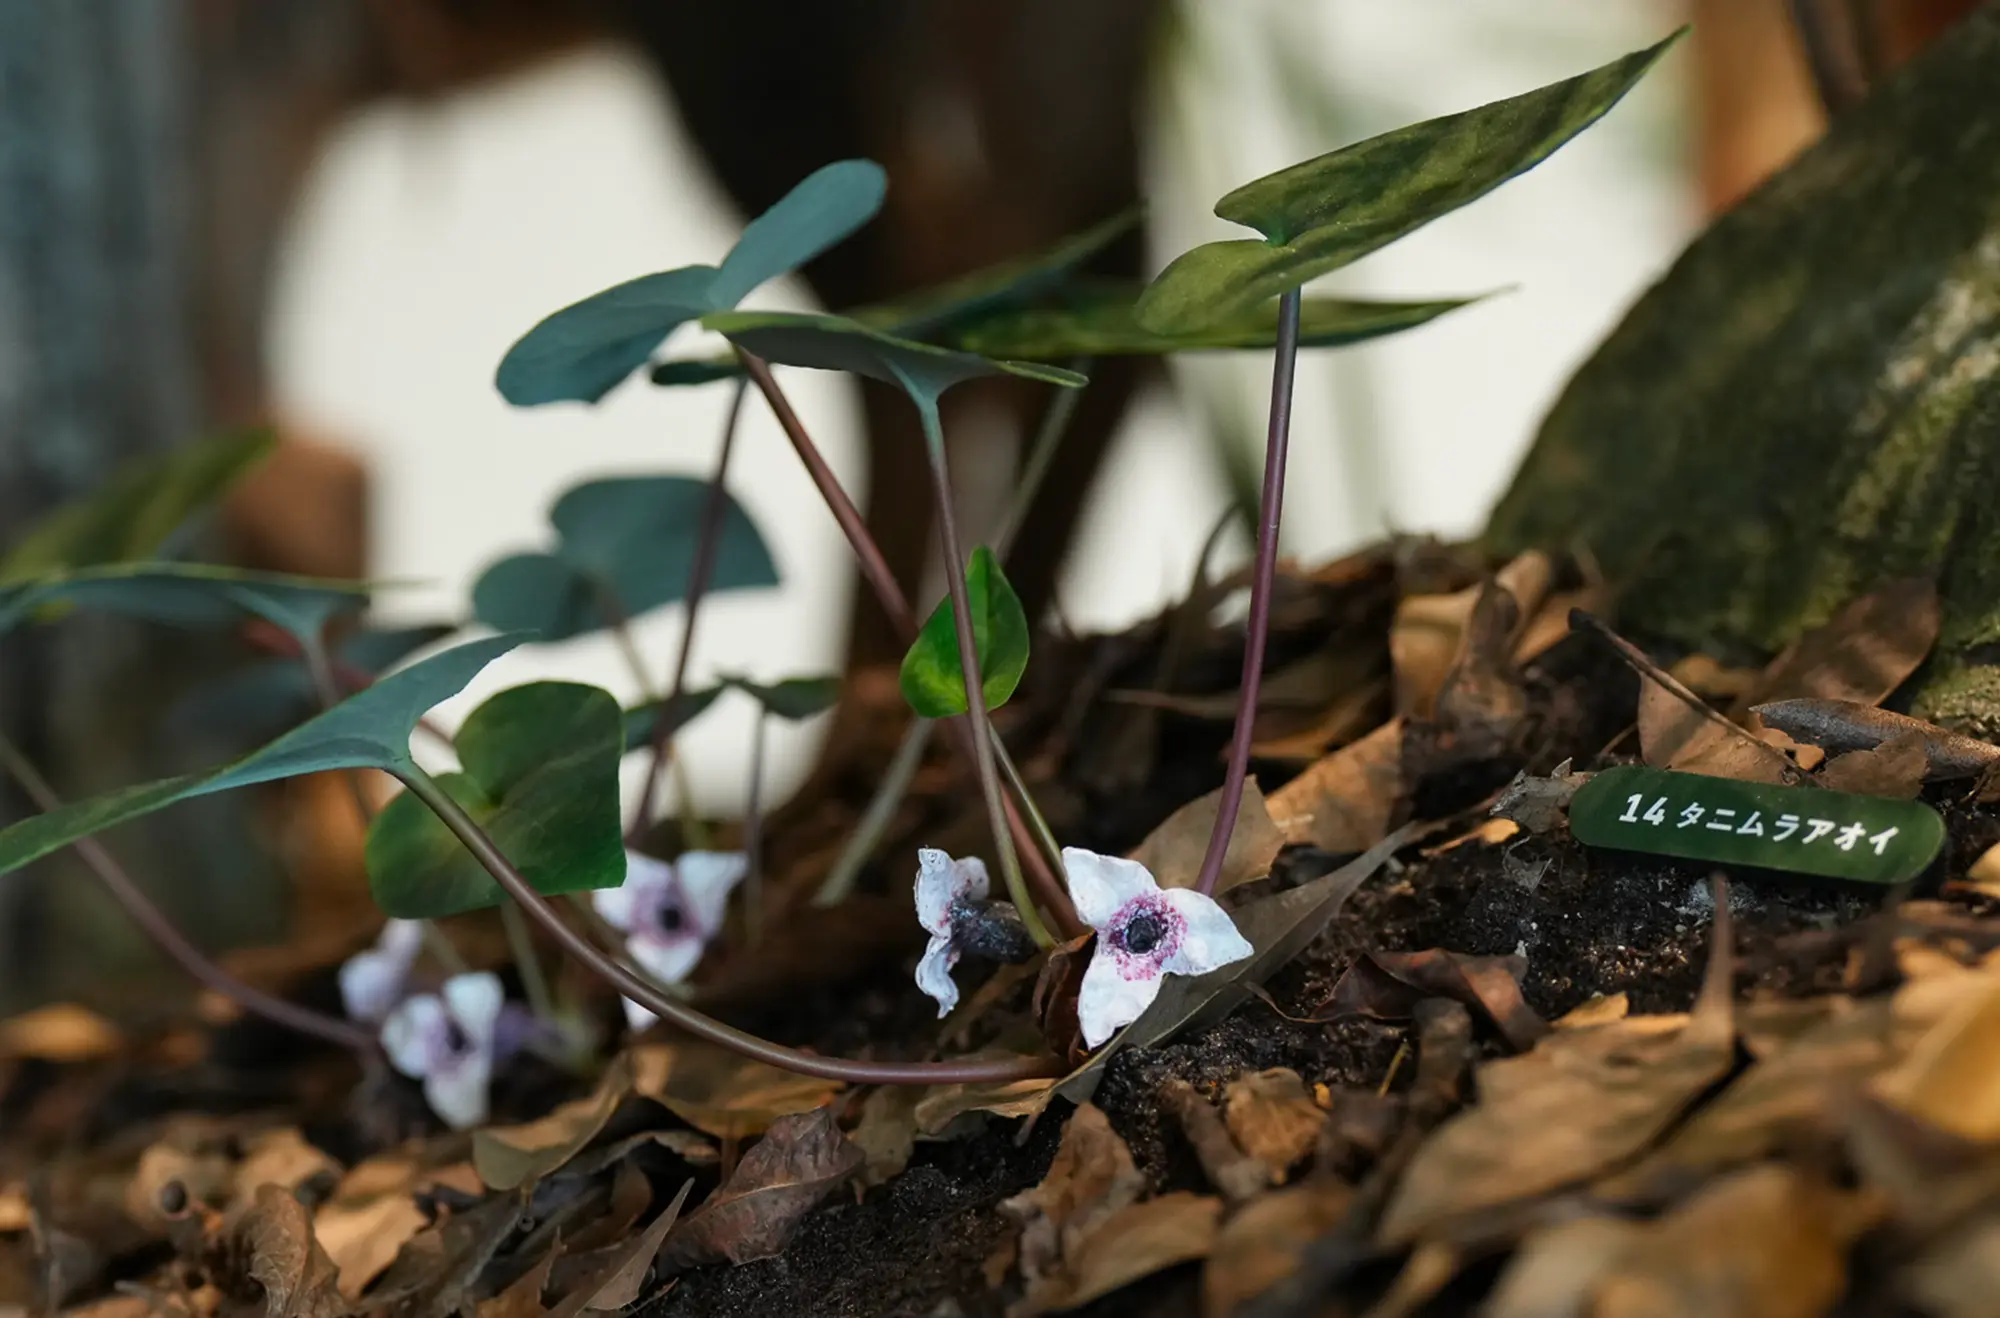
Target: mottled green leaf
582,352
368,730
641,720
189,595
540,775
1326,212
1803,830
136,511
933,680
626,546
1105,324
825,207
835,343
794,698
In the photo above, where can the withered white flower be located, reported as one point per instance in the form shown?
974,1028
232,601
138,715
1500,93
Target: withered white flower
1144,933
448,1040
371,982
669,911
944,888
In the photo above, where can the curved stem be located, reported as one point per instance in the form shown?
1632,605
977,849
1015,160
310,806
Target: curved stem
968,667
714,510
875,569
521,943
875,820
1256,630
1045,837
1041,454
170,940
679,1014
753,835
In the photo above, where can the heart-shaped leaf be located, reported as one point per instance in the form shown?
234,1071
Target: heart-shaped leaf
933,682
825,207
1105,323
136,511
835,343
642,720
189,595
1326,212
627,546
795,698
540,774
368,730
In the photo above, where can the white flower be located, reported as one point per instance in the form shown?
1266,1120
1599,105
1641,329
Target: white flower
944,887
446,1040
668,912
1143,933
372,982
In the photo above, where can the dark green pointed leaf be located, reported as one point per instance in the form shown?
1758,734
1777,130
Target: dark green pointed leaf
796,698
368,730
825,207
585,350
1324,213
679,371
540,774
627,545
641,720
835,343
375,649
933,681
142,504
189,595
1105,324
1803,830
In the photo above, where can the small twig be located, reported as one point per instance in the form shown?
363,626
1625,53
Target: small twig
1041,455
1045,837
875,820
1257,628
170,940
1235,1173
753,835
1833,56
521,944
646,994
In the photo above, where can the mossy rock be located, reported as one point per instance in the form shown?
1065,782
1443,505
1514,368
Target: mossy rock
1808,404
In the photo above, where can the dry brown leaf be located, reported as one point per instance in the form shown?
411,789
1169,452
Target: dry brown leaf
1490,833
373,1213
1951,1076
15,1213
1264,1242
1424,641
282,1158
1389,985
1842,725
523,1296
1091,1178
1174,851
1482,702
1862,653
1984,875
507,1156
1555,1271
61,1032
1896,769
1958,1275
1351,714
1344,802
1134,1242
1600,1010
1760,1243
721,1093
887,1132
943,1104
1538,804
618,1279
1272,1118
275,1240
801,1160
1672,735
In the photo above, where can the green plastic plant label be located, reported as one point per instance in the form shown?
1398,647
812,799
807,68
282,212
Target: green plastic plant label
1806,830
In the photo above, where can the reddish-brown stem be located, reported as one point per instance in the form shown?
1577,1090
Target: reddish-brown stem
890,595
714,510
170,940
679,1014
1256,629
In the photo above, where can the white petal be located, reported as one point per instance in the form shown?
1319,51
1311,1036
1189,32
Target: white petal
937,888
1099,885
1210,938
458,1093
370,984
1109,1000
637,1018
415,1034
402,939
475,1001
707,878
934,973
645,879
668,959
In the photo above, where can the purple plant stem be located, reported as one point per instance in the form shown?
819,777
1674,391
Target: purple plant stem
1256,630
714,510
875,569
679,1014
170,940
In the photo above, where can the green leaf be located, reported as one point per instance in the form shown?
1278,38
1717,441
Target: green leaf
679,371
1104,323
368,730
825,207
641,720
540,774
142,504
1324,213
189,595
582,352
835,343
795,698
1802,830
933,680
626,545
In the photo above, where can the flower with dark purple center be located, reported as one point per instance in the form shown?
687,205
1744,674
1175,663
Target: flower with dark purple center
669,911
1144,933
947,892
371,982
449,1041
